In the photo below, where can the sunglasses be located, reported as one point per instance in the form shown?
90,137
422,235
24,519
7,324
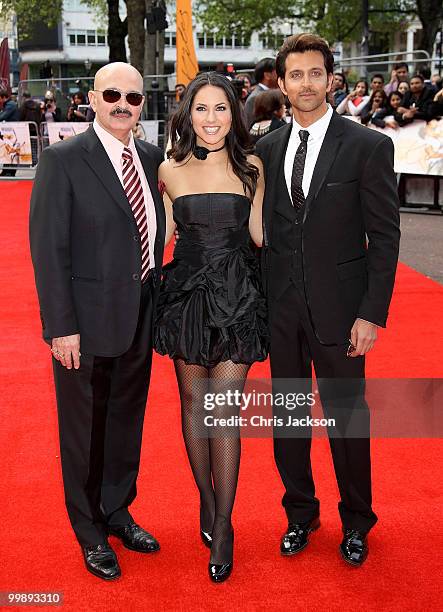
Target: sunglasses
114,95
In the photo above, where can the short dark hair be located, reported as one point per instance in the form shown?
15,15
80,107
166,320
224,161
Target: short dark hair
300,43
345,82
3,93
417,76
401,65
378,76
26,95
267,103
267,64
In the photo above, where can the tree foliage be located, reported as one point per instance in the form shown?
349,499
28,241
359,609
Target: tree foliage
335,20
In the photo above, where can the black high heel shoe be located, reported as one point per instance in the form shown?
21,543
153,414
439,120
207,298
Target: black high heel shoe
206,538
219,572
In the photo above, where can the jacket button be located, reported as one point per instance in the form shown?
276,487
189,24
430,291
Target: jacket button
136,277
135,238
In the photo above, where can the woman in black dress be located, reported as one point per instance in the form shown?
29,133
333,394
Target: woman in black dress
211,314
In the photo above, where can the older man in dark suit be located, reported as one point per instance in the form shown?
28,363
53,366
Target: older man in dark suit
331,238
97,231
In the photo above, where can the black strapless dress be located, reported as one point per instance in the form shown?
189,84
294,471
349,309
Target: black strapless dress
211,306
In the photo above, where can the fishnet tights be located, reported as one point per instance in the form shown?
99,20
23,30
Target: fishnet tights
214,460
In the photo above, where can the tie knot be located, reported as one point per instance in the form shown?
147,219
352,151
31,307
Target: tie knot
304,135
127,154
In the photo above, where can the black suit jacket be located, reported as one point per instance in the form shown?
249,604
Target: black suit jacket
350,234
85,244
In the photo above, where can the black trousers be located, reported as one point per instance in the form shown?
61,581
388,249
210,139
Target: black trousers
294,347
101,408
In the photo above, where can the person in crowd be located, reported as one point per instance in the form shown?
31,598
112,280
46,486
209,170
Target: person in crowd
8,108
376,111
265,78
30,109
247,82
269,113
377,83
355,101
50,110
331,241
74,114
97,233
211,314
340,88
392,106
403,87
415,103
399,73
179,91
425,72
437,81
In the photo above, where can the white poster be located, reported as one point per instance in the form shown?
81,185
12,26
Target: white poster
148,131
15,144
418,146
63,131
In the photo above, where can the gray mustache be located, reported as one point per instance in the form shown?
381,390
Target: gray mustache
121,111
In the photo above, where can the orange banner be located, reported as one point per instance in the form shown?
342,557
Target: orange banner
187,65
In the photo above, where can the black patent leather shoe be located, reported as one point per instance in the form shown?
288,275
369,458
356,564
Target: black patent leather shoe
206,538
219,572
354,547
135,538
296,537
101,561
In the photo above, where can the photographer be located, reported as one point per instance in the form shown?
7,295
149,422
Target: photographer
73,113
50,111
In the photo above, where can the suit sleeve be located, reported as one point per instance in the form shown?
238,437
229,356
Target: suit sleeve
380,207
50,240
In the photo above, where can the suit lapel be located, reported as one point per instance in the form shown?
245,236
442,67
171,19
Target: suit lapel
326,157
101,165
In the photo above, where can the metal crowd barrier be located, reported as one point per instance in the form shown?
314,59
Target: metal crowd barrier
17,143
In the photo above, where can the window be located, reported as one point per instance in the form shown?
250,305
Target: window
170,39
83,38
272,40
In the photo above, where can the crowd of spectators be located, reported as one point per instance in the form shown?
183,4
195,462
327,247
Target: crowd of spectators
395,104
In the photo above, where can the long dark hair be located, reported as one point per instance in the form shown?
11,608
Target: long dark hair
237,140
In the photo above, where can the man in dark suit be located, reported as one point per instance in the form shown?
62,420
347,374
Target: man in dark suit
331,238
97,230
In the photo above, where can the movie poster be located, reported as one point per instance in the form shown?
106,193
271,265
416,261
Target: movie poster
15,144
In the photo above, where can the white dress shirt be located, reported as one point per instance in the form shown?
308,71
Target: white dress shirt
114,149
317,132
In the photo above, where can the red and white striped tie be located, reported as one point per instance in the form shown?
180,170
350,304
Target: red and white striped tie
134,192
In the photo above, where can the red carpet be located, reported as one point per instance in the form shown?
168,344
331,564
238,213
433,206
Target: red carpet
39,552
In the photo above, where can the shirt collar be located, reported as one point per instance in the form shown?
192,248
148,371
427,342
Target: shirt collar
316,129
113,146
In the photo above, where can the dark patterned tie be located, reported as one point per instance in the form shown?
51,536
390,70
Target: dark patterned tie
298,197
134,192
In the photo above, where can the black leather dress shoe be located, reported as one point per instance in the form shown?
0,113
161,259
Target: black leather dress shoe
135,538
206,538
296,537
101,561
219,572
354,547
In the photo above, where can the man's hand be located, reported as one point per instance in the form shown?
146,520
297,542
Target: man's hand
363,337
66,349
